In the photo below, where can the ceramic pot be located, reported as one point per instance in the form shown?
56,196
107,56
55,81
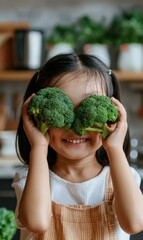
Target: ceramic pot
99,50
130,57
59,48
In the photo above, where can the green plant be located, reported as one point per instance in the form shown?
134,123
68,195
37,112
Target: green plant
93,114
51,107
90,31
62,34
7,224
127,27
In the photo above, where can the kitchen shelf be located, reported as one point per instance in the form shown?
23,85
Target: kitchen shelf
129,76
18,76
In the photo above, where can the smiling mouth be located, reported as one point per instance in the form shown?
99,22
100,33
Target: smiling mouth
75,141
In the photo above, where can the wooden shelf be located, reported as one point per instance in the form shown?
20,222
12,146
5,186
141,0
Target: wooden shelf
129,76
17,76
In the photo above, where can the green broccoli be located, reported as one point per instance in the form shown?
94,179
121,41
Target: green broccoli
92,115
51,107
7,224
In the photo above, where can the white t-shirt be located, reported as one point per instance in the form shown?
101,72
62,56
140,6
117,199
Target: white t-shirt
90,192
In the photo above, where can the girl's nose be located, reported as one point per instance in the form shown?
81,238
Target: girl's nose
71,130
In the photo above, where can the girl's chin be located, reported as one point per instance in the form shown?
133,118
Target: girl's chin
75,156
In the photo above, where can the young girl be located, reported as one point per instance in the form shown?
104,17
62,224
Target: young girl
71,187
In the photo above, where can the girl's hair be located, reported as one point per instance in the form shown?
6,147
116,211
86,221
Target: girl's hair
55,68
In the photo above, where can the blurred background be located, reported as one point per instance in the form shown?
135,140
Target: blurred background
33,31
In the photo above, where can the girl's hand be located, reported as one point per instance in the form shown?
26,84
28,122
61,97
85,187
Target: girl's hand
35,137
118,130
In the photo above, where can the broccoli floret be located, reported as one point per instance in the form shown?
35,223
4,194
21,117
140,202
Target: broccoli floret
93,114
51,107
7,224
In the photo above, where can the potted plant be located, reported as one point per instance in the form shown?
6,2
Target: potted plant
7,224
62,39
92,37
126,34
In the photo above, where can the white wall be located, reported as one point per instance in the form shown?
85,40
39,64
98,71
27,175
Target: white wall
45,14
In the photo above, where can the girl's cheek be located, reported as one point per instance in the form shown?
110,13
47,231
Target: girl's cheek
96,139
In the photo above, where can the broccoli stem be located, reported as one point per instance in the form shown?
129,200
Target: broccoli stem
94,129
102,129
105,133
42,126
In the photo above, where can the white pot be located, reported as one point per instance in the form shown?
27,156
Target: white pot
99,50
59,48
130,57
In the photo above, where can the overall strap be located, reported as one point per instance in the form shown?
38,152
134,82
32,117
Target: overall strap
109,187
109,207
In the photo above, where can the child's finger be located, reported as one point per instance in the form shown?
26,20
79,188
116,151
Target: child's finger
28,99
24,107
120,108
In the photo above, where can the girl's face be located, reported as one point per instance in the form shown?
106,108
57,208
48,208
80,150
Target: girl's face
66,143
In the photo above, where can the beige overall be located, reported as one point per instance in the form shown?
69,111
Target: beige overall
83,222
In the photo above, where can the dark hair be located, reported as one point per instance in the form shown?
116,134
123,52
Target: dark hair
59,66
